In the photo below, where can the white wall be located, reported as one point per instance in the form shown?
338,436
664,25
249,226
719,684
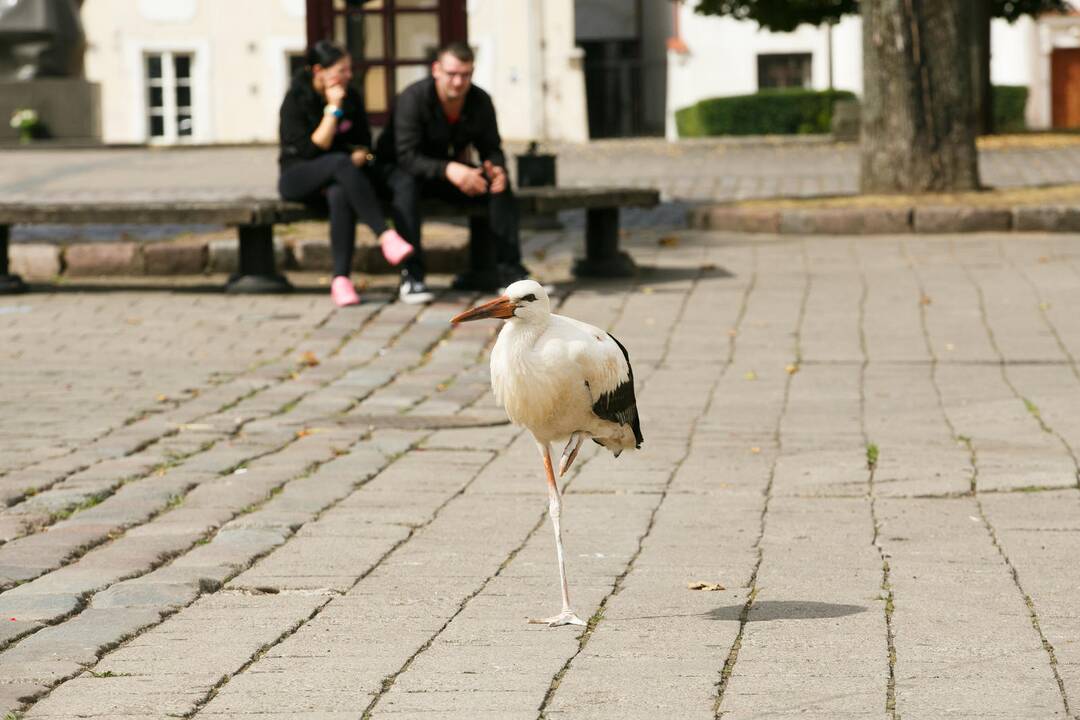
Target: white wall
538,88
1010,59
239,76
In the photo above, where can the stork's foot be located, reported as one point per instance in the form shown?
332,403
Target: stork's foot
570,453
566,617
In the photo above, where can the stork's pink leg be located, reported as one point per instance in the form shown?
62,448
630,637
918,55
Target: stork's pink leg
567,616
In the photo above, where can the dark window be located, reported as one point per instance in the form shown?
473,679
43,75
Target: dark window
296,63
783,70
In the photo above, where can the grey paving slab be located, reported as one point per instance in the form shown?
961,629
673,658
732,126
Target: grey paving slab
948,552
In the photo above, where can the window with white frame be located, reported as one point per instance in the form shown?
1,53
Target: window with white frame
168,96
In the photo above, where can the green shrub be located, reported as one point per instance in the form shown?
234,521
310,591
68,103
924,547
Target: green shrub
768,112
688,122
1009,104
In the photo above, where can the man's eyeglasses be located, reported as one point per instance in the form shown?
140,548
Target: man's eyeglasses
463,75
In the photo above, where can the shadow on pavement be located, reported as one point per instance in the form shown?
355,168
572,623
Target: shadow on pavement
785,610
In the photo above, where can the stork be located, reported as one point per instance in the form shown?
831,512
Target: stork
561,379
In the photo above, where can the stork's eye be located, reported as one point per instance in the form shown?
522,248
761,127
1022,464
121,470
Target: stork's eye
528,298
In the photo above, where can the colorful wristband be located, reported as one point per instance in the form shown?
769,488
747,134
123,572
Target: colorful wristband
333,110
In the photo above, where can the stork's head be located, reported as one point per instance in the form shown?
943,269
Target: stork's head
524,301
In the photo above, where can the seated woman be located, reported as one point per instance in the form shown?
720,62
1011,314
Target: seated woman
325,141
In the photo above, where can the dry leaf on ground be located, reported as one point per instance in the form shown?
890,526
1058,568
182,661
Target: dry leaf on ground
712,587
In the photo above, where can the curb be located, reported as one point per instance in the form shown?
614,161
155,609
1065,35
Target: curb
37,262
940,219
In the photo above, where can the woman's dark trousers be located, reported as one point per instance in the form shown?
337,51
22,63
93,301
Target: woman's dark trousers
349,193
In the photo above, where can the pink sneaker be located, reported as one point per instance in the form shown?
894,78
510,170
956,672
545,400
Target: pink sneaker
394,247
342,292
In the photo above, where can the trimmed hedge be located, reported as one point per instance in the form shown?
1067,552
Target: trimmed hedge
1009,104
768,112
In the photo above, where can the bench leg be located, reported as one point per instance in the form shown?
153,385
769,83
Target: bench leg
602,255
9,284
258,272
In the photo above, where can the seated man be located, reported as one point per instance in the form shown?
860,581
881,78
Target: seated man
435,126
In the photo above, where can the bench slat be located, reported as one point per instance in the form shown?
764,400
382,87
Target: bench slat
265,211
234,212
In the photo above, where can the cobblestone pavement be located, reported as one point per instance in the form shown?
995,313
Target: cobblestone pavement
686,172
237,507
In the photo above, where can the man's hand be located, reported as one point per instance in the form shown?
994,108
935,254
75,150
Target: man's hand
468,180
496,175
335,94
361,156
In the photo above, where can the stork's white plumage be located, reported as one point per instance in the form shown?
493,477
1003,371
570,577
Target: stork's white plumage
561,379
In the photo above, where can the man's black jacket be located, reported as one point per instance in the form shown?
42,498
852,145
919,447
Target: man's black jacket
419,139
301,113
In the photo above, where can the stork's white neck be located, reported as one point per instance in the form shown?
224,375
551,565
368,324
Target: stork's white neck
519,334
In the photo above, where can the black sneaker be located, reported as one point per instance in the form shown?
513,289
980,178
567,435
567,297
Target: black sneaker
413,291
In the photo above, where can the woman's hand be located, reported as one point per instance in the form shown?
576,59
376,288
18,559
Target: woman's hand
335,94
361,156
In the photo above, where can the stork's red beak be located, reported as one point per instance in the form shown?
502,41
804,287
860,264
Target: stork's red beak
500,307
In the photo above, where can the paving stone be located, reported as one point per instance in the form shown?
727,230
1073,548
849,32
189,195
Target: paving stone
103,259
34,262
955,219
175,258
924,566
1046,218
741,220
846,221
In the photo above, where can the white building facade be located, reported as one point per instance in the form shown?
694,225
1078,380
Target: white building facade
198,71
206,71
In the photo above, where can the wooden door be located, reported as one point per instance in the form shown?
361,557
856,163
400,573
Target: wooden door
392,42
1065,87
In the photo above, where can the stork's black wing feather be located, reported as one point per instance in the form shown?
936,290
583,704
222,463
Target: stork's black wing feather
619,405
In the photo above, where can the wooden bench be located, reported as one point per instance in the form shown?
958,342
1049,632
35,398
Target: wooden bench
254,219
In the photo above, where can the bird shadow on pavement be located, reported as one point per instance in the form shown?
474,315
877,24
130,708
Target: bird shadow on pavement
766,610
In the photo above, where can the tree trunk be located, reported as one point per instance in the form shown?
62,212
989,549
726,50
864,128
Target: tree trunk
981,90
918,122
